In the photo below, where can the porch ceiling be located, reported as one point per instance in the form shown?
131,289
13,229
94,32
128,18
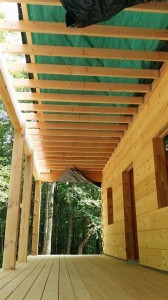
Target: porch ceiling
83,87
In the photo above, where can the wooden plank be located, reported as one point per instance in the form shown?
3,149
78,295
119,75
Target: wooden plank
74,157
62,146
77,126
77,118
159,218
77,151
17,280
38,135
94,176
82,70
155,7
24,284
85,52
80,290
36,290
12,220
36,218
98,30
70,155
65,285
25,210
51,290
76,139
81,86
78,109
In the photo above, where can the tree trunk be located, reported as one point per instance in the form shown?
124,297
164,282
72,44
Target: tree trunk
83,243
70,227
51,187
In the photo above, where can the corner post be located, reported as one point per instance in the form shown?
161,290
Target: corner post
36,218
25,211
13,211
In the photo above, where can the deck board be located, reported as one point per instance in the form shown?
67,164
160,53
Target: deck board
82,278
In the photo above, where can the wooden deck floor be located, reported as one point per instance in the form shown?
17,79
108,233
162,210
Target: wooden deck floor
82,278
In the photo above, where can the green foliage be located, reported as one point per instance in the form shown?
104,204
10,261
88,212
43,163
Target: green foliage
86,211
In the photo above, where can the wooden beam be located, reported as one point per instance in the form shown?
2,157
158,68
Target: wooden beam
156,7
73,155
78,126
71,151
74,139
94,30
73,160
25,211
81,86
81,71
78,109
85,52
78,98
94,176
8,97
36,218
60,146
13,211
77,118
36,134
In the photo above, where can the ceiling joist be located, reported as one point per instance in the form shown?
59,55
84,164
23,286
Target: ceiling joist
98,30
82,70
46,50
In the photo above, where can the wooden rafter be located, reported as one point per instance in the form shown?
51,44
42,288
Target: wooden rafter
76,139
62,146
98,30
79,126
78,109
81,86
47,97
76,150
146,7
47,50
77,118
83,70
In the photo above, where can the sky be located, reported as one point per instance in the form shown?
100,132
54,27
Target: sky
10,10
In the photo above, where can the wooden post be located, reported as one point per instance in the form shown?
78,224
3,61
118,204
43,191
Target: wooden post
25,212
13,212
36,218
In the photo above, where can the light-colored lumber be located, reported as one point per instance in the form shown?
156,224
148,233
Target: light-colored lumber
81,86
78,126
65,285
25,210
37,134
78,98
36,217
98,30
78,109
77,118
36,290
68,155
12,220
73,150
75,139
82,70
51,291
64,145
155,7
86,52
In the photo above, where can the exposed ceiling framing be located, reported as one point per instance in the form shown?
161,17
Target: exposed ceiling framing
80,122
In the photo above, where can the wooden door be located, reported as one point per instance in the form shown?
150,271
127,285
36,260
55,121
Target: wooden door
131,236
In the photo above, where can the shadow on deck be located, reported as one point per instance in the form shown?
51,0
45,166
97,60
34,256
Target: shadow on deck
83,278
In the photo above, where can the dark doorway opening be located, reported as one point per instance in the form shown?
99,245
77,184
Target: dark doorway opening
131,236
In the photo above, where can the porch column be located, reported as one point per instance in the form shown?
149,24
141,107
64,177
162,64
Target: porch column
36,218
13,212
25,211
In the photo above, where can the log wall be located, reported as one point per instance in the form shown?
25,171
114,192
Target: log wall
136,149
